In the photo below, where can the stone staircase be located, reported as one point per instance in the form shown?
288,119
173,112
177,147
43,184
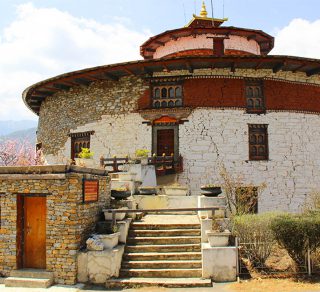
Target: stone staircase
167,255
29,278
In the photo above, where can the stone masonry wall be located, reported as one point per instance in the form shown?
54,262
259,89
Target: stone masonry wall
212,138
69,221
80,105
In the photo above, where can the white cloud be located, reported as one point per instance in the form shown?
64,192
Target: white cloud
299,38
44,42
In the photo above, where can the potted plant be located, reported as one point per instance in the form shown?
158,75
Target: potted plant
142,155
85,158
210,190
218,237
121,193
148,190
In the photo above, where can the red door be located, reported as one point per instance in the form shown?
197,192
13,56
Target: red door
165,142
34,232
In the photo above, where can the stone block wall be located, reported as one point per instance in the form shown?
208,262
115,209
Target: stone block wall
69,220
212,138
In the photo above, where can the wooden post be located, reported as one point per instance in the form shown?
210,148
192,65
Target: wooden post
101,161
115,164
309,260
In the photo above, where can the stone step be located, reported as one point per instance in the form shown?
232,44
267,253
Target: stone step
28,282
151,256
166,233
31,273
164,240
176,264
163,248
146,226
161,273
160,282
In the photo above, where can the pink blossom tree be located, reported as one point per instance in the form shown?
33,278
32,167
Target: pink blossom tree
14,153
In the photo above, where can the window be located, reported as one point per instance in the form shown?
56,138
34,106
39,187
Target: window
258,142
167,96
79,141
254,96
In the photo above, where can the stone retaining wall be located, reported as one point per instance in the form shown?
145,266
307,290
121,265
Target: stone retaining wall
69,220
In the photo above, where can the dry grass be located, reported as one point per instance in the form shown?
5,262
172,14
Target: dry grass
274,285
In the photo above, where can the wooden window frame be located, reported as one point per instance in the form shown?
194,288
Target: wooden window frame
166,101
255,84
80,138
258,130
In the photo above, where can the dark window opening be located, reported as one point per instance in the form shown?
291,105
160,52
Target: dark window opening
79,141
254,96
167,96
258,142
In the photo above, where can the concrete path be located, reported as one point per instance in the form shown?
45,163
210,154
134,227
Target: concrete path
81,288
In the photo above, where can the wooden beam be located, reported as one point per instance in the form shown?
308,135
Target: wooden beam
313,71
173,37
61,86
233,67
128,71
150,50
189,67
82,81
42,93
299,68
165,67
147,71
110,76
278,67
159,43
251,37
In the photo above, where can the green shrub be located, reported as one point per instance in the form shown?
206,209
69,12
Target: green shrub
85,153
296,232
254,230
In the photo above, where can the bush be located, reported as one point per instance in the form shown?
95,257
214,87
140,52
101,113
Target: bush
256,234
296,232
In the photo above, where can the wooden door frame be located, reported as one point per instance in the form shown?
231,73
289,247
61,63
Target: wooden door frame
175,129
20,227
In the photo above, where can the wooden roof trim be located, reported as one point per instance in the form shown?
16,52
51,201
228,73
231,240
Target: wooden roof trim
147,67
147,49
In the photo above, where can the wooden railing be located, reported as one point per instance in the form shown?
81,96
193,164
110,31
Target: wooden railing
163,164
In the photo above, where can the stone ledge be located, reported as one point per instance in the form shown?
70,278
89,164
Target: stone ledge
50,169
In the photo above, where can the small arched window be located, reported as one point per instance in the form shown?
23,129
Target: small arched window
164,93
157,93
171,92
178,91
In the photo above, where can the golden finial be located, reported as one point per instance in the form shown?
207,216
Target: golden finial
203,12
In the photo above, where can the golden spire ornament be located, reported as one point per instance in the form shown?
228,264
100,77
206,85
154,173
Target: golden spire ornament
203,12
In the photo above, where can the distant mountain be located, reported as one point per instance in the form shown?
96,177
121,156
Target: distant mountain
28,135
8,127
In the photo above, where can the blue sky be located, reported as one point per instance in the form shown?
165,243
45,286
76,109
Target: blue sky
40,38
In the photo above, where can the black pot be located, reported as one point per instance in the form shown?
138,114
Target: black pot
120,195
211,191
147,191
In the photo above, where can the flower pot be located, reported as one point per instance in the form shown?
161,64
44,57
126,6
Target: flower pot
148,191
144,160
109,240
218,239
120,195
119,216
211,191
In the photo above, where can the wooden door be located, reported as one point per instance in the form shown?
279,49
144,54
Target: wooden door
34,232
165,142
